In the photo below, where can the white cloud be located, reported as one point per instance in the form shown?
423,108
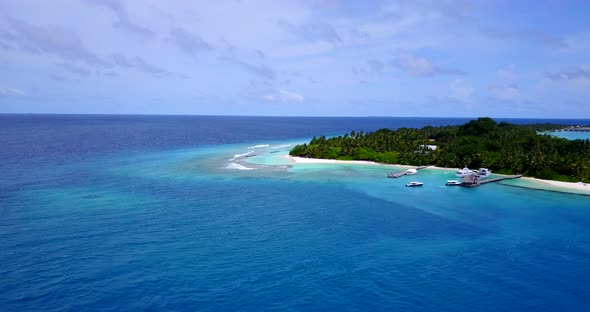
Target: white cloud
283,96
506,74
11,92
313,32
413,64
138,64
578,76
188,42
505,88
579,42
123,22
460,91
57,41
121,45
509,93
420,66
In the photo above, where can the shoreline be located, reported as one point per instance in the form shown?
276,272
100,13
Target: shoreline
311,161
578,186
537,183
304,160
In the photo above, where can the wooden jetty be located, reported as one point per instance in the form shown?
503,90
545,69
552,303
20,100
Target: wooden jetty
406,172
397,175
474,181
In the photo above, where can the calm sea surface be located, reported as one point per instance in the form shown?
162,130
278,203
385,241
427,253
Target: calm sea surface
571,135
148,213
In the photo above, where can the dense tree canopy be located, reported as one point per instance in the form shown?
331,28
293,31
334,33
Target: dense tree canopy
501,147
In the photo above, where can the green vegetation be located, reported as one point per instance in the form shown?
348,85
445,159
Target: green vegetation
502,147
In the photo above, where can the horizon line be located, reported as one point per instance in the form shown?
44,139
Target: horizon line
285,116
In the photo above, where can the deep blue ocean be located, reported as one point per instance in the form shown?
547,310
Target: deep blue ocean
147,213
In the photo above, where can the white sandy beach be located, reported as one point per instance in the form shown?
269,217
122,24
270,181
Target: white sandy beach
303,160
584,187
578,186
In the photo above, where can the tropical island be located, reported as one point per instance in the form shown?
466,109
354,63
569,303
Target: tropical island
502,147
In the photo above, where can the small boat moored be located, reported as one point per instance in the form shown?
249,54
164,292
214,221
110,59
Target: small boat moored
404,173
461,173
411,171
414,184
453,183
484,172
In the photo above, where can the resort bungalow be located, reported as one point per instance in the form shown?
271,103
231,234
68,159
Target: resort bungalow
470,180
429,147
578,129
426,148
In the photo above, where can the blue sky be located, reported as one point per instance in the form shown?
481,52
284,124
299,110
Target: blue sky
305,58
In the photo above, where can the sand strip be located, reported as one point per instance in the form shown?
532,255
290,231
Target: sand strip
585,187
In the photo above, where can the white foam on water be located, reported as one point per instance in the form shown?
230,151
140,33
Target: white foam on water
259,146
234,166
236,156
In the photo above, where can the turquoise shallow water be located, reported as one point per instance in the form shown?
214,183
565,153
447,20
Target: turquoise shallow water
154,216
571,135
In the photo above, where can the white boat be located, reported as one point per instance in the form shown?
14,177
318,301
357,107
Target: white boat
413,184
453,182
411,171
463,172
401,174
484,172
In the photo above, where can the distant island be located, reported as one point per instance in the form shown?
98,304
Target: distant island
502,147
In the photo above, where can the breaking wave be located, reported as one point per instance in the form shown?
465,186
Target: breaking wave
234,166
237,156
259,146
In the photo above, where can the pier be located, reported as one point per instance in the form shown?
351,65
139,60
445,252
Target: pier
474,182
407,172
